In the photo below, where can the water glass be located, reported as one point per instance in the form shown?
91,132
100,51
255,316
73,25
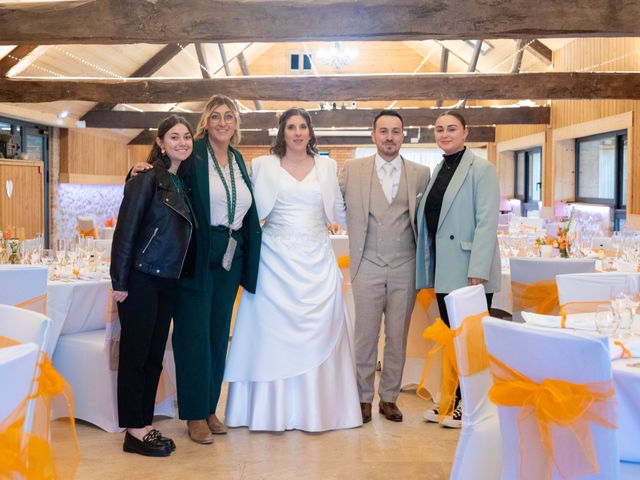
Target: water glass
605,320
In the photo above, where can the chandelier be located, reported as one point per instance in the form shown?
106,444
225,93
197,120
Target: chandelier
336,56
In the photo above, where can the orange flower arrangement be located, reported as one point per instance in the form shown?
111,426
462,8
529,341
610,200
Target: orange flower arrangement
560,241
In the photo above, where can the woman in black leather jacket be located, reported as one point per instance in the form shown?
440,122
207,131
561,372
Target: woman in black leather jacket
150,245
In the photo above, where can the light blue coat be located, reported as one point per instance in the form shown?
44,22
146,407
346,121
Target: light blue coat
466,240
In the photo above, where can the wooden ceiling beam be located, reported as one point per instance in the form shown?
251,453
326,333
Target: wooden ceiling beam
414,135
499,86
12,58
418,117
541,51
164,21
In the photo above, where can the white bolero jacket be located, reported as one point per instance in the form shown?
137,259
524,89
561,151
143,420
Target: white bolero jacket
265,177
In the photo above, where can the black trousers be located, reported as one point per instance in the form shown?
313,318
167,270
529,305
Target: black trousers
145,317
442,307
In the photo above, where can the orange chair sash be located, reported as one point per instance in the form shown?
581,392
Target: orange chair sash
624,351
343,262
40,454
554,422
473,359
425,298
35,304
539,297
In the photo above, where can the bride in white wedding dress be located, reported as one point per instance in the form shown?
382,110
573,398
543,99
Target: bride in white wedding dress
291,364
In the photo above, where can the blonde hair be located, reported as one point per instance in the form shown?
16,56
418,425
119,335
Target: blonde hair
213,103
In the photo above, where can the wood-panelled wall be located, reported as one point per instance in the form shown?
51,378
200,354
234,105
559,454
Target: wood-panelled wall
25,207
599,54
89,158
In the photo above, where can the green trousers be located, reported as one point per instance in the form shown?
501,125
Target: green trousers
201,332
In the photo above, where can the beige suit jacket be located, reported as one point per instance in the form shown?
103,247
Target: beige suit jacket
355,183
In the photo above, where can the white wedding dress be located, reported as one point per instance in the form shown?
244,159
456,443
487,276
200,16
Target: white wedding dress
291,363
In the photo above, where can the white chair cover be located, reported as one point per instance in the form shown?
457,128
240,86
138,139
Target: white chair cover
529,270
479,452
17,369
26,326
540,354
590,287
21,283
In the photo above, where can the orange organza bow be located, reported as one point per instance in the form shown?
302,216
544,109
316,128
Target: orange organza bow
473,357
554,422
570,308
37,454
35,304
540,297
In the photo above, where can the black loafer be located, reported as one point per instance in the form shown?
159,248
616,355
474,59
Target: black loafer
149,446
162,439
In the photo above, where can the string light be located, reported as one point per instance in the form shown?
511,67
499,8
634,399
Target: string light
196,60
606,62
89,64
517,52
37,67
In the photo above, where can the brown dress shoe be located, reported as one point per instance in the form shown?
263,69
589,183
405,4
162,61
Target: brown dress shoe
366,412
216,426
199,431
390,411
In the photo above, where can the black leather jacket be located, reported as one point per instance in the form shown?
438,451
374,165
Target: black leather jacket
154,229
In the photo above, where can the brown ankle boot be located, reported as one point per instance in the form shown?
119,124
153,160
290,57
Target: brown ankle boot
199,431
215,425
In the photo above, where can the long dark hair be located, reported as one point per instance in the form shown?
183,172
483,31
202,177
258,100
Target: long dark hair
453,113
156,157
279,146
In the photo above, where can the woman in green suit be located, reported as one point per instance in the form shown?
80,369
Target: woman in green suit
227,251
457,226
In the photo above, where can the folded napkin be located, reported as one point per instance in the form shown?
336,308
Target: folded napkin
624,348
577,321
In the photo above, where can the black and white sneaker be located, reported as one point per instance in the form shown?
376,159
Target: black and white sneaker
454,420
431,415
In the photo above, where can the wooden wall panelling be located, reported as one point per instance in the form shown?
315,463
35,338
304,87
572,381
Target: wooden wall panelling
89,158
25,208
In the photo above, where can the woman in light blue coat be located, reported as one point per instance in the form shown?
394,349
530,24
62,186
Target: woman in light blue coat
457,225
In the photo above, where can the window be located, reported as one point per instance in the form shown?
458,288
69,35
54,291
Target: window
601,171
299,62
528,177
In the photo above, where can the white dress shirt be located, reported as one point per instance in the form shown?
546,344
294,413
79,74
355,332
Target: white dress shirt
379,162
218,195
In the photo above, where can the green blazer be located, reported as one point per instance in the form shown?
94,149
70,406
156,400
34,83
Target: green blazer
197,178
466,240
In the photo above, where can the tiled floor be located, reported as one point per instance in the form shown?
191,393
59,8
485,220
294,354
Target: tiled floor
381,449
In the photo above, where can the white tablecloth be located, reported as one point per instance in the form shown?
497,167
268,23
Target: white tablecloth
77,305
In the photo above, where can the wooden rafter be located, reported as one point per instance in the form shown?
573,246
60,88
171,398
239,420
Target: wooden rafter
417,117
561,85
202,60
517,58
262,138
541,51
13,57
473,63
163,21
444,65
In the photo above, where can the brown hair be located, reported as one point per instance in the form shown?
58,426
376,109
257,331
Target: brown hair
279,146
455,114
155,155
213,103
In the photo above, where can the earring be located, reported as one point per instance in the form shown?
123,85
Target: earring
162,151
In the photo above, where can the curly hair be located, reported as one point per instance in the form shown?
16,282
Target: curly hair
279,146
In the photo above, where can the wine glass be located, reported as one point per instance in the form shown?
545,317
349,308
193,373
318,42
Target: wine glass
60,251
605,320
621,310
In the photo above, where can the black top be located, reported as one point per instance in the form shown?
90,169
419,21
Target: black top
436,194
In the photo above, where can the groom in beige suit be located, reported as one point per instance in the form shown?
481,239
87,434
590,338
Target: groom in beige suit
382,193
